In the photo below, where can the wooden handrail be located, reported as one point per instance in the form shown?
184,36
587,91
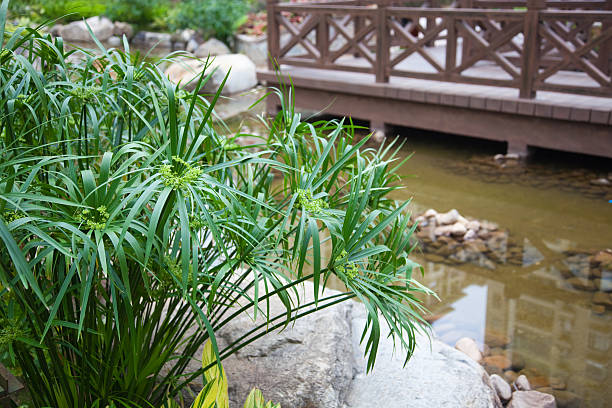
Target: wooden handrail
547,44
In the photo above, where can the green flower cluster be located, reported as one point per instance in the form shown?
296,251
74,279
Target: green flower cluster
85,93
313,205
179,174
10,331
94,219
196,222
350,269
10,216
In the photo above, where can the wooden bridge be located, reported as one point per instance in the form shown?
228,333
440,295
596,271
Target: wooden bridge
530,73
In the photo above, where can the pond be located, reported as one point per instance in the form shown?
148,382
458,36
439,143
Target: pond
524,310
520,303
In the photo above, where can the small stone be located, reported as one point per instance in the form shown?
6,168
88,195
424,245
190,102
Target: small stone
494,339
458,229
56,30
430,213
601,182
540,381
510,376
501,362
522,383
192,45
582,284
603,259
501,387
448,218
120,29
566,399
444,230
530,372
114,41
498,157
531,399
512,156
470,235
187,34
491,369
469,347
491,226
601,298
518,362
473,225
557,383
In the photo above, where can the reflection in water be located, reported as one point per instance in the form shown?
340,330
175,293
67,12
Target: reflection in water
560,340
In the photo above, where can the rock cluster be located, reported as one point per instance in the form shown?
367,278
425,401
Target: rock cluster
452,238
516,385
590,272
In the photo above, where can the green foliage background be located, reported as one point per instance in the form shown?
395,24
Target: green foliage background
132,230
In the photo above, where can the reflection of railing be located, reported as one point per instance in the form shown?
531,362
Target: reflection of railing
530,48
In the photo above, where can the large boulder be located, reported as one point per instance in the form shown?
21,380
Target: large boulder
101,27
307,365
437,375
211,47
242,74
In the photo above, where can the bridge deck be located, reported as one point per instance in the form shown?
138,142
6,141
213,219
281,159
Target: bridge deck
577,123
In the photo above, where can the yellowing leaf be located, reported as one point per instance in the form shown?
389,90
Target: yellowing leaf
214,394
255,399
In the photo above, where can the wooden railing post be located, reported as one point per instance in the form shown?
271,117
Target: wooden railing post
466,45
606,47
531,48
451,47
273,34
382,44
323,39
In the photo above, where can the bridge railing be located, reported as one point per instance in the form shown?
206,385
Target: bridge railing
531,48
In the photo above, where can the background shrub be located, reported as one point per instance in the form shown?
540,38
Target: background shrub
65,10
214,18
139,12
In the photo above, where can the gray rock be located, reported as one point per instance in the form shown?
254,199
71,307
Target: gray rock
56,30
309,364
211,47
532,399
450,217
101,27
430,213
469,348
256,48
148,40
114,41
504,392
458,229
436,376
522,383
192,45
241,69
187,34
120,29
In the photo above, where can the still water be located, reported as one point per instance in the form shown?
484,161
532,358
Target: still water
521,306
552,211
